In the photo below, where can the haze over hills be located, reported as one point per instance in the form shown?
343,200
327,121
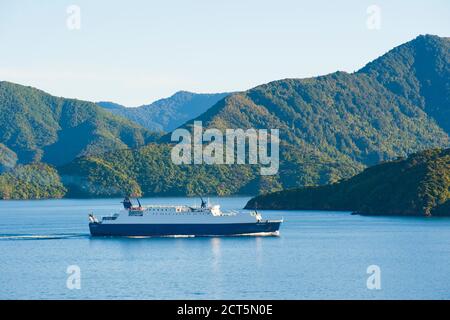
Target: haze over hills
418,185
331,127
8,158
36,126
169,113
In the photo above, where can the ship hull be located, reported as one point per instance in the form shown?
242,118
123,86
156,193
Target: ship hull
212,229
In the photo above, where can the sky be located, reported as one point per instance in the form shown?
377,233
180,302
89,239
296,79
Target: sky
134,52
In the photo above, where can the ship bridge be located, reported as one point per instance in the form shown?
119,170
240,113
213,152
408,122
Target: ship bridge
183,209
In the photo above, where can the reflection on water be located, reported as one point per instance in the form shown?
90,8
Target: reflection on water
319,255
215,250
217,272
258,250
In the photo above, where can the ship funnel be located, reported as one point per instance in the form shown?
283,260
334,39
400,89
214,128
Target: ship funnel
127,203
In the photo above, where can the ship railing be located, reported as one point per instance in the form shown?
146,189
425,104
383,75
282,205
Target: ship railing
157,206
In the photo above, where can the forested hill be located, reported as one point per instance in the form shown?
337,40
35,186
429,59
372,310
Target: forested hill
394,106
36,126
416,186
169,113
331,127
418,71
32,181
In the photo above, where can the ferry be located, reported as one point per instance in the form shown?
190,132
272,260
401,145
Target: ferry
180,220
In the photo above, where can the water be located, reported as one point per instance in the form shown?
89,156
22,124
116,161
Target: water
318,255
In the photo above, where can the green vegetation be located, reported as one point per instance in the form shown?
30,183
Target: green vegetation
39,127
419,72
34,181
149,171
167,114
331,128
418,185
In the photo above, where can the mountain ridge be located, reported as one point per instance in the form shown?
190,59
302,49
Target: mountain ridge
37,126
168,113
331,126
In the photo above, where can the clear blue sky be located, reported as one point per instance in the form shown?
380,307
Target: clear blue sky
133,52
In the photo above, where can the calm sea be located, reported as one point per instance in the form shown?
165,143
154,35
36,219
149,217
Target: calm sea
318,255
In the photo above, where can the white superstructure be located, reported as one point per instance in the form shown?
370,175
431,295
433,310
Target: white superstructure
166,214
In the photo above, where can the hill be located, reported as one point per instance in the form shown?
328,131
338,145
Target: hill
169,113
331,127
363,116
416,186
36,126
149,171
34,181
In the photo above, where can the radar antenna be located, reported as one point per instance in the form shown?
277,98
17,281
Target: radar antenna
139,203
203,205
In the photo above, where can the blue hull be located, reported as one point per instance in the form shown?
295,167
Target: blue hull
99,229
